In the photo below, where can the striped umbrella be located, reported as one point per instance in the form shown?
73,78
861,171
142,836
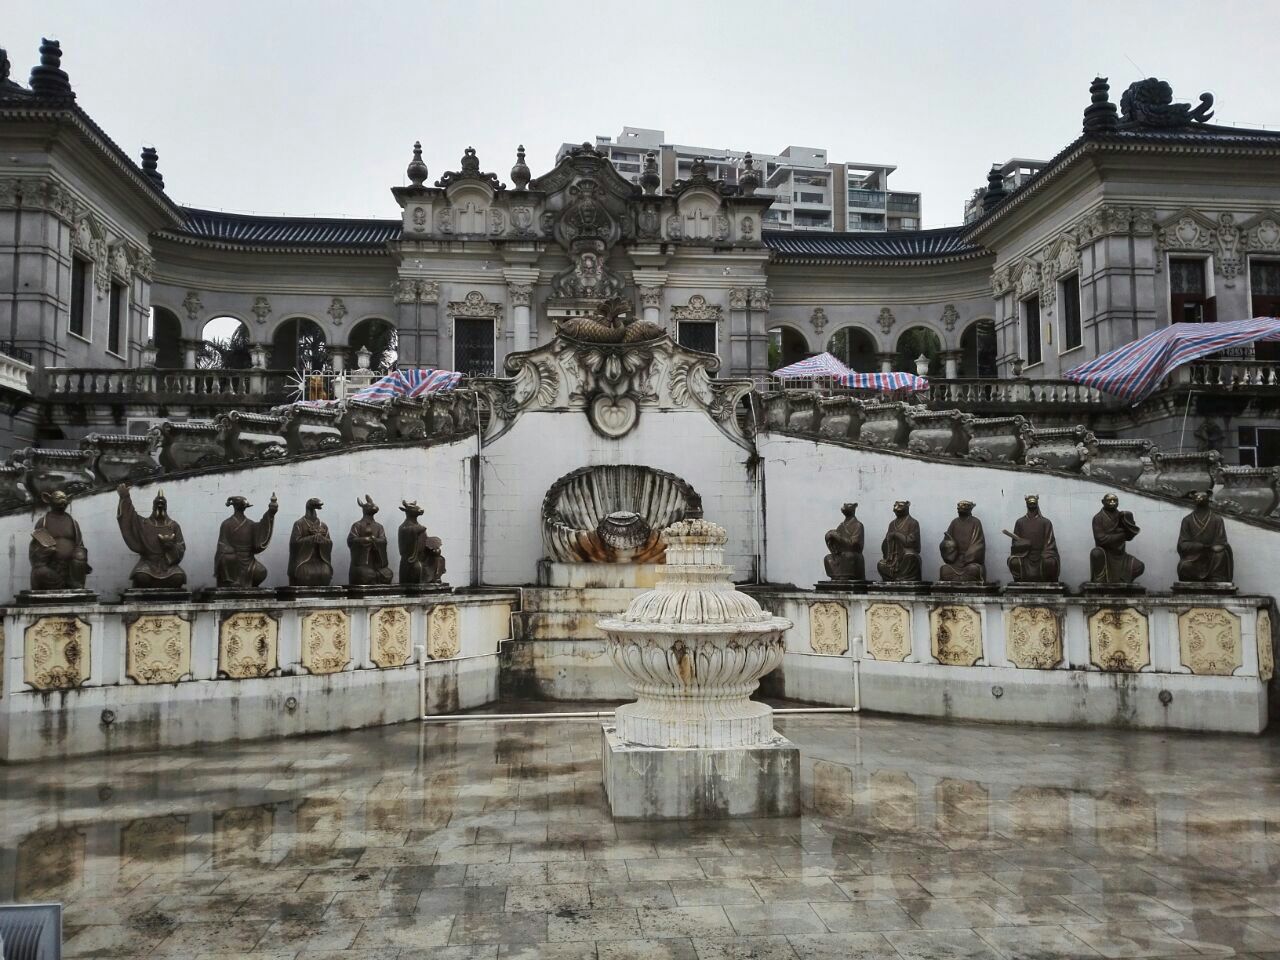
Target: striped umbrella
884,382
408,383
1136,370
819,365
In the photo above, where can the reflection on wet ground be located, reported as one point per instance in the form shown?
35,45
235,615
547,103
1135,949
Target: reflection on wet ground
920,840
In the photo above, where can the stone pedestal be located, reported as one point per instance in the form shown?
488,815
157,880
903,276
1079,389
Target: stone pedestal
214,594
61,598
310,593
422,589
970,587
1021,587
901,586
156,595
1217,588
361,590
1091,589
674,783
841,586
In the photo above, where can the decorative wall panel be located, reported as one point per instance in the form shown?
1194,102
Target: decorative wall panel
1033,638
56,653
1119,639
247,645
390,642
888,631
956,635
443,638
326,641
829,628
158,649
1209,638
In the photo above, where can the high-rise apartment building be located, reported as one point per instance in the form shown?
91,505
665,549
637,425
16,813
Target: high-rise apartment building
810,192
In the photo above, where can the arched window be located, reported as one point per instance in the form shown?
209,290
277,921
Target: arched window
855,348
978,349
786,346
224,345
380,338
916,342
299,344
166,337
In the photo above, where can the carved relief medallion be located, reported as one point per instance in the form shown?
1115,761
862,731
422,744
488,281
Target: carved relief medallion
828,628
389,639
1209,638
1033,638
443,640
956,635
326,641
1118,639
158,649
888,631
1266,652
56,653
247,645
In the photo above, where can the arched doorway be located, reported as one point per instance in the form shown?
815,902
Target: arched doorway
224,345
299,344
978,349
166,338
787,345
380,338
855,348
915,342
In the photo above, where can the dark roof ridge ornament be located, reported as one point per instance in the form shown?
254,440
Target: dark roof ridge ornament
151,167
749,179
1148,104
520,174
650,179
470,164
48,79
995,189
417,170
1100,115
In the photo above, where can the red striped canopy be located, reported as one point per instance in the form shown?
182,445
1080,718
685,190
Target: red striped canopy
1136,370
819,365
884,382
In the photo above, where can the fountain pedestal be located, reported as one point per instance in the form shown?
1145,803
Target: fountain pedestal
694,745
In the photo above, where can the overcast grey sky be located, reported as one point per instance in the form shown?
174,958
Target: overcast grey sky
312,108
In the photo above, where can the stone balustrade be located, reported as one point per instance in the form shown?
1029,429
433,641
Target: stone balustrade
15,371
86,384
1232,374
141,676
1159,661
238,436
954,434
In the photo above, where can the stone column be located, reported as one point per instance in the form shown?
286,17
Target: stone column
886,358
951,358
757,359
338,358
190,350
258,354
520,281
651,304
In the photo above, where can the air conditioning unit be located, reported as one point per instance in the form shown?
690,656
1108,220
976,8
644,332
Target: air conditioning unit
31,931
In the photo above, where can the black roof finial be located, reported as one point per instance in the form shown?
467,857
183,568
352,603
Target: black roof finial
48,79
749,179
151,166
417,170
650,179
1100,115
520,174
995,189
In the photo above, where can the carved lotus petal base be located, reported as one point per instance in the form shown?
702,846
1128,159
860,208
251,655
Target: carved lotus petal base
613,416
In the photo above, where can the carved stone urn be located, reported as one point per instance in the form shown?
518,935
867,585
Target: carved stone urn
694,649
694,744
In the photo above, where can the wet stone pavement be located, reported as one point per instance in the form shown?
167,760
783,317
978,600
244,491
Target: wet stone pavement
920,841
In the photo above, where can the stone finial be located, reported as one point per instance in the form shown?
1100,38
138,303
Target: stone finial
4,65
417,170
151,166
995,189
48,79
520,174
470,163
650,179
1100,116
698,168
749,179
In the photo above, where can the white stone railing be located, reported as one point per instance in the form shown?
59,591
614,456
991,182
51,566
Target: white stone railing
87,383
1234,373
15,374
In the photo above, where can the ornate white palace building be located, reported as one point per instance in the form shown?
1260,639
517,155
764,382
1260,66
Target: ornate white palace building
1151,215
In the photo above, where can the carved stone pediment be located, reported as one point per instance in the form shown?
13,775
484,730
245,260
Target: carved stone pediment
1187,230
587,200
613,383
1262,231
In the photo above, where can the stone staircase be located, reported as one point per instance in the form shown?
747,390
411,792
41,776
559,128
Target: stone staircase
556,651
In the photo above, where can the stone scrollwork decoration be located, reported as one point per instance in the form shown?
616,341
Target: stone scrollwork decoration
886,320
389,636
698,309
955,632
158,649
1034,638
261,309
474,305
950,316
818,320
443,637
1119,639
191,303
337,311
888,632
1266,652
326,641
1209,638
828,628
247,644
56,653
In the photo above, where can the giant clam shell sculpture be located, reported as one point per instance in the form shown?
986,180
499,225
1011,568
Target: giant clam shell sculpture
613,514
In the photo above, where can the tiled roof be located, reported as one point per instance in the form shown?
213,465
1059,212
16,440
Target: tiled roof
246,230
901,245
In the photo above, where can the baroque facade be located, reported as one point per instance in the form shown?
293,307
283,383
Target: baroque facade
1151,215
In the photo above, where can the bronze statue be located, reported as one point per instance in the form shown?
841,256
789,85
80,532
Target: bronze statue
421,561
156,539
239,541
1033,557
845,560
1109,562
901,546
58,558
1204,556
310,549
964,548
368,543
